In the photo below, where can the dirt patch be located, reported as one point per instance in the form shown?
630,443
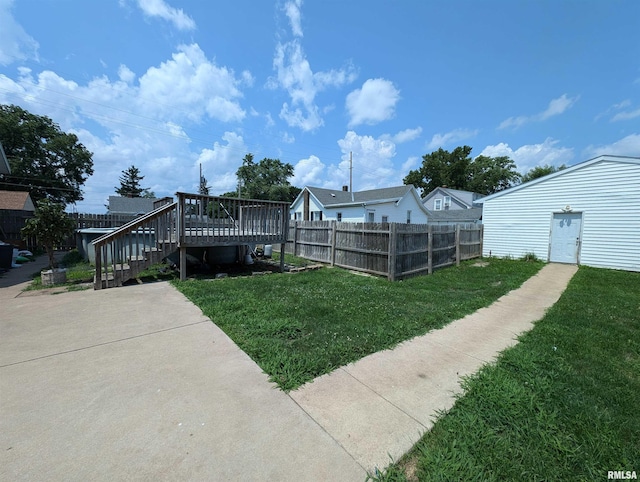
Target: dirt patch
410,468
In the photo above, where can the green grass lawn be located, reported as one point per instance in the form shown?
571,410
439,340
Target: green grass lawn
299,326
564,404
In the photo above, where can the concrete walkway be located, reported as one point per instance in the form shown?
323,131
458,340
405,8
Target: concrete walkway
136,383
378,407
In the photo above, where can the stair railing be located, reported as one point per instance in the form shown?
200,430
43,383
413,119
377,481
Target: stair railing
123,253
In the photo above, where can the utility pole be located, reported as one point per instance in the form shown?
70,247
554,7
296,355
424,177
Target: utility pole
350,171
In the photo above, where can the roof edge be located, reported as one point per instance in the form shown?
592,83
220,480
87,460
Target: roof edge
575,167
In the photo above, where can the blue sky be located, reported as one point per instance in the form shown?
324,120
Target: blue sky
167,85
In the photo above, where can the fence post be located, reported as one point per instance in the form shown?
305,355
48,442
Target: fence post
295,238
481,238
283,248
429,249
457,245
333,242
393,243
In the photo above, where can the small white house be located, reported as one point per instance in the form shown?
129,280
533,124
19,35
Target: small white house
586,214
401,204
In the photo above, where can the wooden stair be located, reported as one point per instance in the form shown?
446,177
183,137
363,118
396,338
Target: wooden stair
123,254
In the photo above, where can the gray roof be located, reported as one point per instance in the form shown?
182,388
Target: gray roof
333,197
130,205
456,215
466,198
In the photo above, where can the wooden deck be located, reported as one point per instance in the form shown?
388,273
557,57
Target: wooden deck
194,221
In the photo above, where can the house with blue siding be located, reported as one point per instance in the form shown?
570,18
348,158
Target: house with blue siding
400,204
586,214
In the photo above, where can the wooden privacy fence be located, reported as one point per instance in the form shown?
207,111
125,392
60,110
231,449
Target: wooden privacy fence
387,249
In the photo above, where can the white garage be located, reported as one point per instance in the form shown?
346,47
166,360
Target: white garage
586,214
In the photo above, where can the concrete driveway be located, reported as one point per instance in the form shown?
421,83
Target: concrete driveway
136,383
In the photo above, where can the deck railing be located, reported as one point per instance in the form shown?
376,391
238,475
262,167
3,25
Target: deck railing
219,221
194,220
123,253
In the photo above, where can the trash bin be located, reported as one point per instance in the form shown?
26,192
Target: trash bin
6,255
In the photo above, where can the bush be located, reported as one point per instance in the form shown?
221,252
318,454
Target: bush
71,258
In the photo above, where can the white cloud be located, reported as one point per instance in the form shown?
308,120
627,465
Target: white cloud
142,121
15,42
160,8
294,74
555,107
621,116
373,103
309,172
302,84
627,146
125,74
186,88
455,136
410,164
292,9
529,156
372,162
219,165
407,135
615,107
198,84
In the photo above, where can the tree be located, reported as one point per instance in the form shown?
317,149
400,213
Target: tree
268,180
456,169
491,174
50,226
540,171
203,188
130,184
44,160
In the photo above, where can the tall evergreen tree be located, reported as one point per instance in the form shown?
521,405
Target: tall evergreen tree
130,184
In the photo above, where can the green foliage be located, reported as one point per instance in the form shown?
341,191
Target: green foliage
561,405
50,226
268,180
71,258
530,257
44,160
457,170
540,171
130,184
300,326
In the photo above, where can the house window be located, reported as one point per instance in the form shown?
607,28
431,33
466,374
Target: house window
316,215
408,216
437,205
385,219
371,217
339,216
447,202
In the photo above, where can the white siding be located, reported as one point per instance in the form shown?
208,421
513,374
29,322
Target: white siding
607,193
353,214
299,208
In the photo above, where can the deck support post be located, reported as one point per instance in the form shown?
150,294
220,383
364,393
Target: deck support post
183,263
282,249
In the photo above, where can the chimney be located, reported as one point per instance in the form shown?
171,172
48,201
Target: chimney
345,188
